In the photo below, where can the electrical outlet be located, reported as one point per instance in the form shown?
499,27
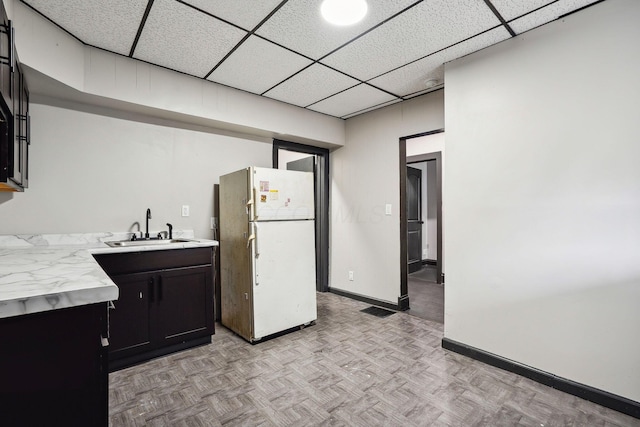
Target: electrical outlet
387,209
185,210
351,276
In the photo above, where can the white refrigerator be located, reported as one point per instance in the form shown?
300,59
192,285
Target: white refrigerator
267,251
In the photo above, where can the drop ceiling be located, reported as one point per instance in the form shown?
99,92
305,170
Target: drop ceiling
285,51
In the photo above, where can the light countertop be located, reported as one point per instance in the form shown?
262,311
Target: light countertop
48,272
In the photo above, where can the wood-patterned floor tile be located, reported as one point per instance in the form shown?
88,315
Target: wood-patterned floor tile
350,369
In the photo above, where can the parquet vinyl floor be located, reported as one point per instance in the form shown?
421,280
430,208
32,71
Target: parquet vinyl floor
350,369
426,297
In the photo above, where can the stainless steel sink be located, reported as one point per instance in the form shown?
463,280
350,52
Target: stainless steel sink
142,242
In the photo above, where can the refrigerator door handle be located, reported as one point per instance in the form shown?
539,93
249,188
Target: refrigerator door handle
254,212
255,239
248,205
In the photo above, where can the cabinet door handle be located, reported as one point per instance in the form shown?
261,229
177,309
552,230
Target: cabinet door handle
159,288
104,341
151,293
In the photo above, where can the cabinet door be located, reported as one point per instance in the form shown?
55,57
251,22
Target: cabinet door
184,308
24,131
129,325
16,149
6,59
52,371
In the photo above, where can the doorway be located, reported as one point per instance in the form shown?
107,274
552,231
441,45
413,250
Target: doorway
421,236
414,219
306,158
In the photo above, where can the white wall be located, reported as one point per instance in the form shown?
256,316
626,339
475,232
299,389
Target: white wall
542,192
365,177
92,173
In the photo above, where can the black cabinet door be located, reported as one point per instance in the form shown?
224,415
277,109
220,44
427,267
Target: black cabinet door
129,322
17,168
184,307
52,371
6,58
24,131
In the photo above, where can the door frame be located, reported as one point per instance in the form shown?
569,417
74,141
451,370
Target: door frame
322,204
403,301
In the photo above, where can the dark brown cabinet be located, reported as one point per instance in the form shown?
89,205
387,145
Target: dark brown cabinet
129,320
6,58
54,368
166,303
19,168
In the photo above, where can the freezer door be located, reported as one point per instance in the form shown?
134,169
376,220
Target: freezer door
284,288
281,195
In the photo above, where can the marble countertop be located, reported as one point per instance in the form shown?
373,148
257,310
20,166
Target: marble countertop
49,272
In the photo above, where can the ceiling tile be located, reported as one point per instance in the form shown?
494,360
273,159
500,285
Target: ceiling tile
510,9
298,25
410,79
109,24
244,13
426,28
270,64
353,100
311,85
181,38
547,14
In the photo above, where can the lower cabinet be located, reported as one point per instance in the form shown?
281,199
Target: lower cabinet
53,368
166,303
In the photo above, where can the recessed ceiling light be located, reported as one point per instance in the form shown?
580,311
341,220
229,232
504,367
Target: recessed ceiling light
343,12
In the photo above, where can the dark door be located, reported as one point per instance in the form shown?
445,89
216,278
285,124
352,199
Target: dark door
308,164
414,219
184,303
129,326
320,157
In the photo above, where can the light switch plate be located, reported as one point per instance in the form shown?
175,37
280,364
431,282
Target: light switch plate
185,210
387,209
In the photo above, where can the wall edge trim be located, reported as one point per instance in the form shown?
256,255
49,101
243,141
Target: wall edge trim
366,299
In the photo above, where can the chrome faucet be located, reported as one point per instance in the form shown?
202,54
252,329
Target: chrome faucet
146,234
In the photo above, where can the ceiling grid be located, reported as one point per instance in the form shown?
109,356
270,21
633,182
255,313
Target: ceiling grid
284,50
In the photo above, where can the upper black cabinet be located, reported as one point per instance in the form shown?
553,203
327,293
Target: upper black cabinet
19,171
14,113
7,60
